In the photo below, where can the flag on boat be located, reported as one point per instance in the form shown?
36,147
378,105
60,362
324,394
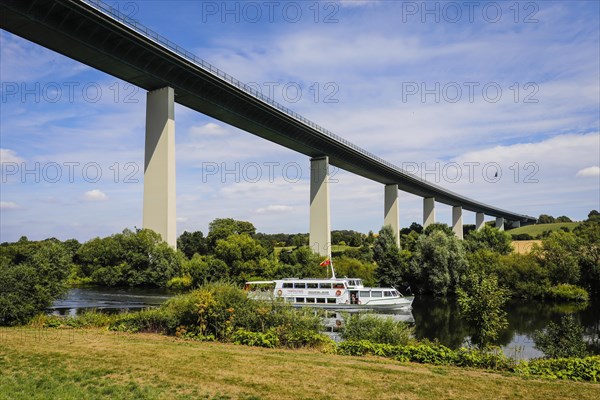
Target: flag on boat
325,262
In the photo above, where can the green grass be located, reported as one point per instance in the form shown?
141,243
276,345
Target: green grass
97,364
535,230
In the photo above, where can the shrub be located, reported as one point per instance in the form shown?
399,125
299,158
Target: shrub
576,369
561,340
156,320
481,300
376,329
31,280
568,292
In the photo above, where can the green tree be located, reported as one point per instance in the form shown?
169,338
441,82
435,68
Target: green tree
490,239
481,299
559,255
31,286
589,255
563,218
561,340
438,226
353,268
392,264
221,228
545,219
242,254
438,263
191,243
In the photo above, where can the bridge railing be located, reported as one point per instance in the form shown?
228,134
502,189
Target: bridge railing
163,41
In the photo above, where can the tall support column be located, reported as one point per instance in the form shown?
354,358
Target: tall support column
500,223
428,211
457,221
516,224
159,165
320,221
391,215
479,220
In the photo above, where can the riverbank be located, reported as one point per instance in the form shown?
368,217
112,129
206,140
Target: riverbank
95,363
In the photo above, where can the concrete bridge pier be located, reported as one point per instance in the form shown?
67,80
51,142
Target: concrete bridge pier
428,211
500,223
479,220
391,214
320,220
159,213
457,221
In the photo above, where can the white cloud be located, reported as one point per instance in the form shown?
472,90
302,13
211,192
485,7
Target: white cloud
9,156
94,195
589,171
209,129
8,205
274,208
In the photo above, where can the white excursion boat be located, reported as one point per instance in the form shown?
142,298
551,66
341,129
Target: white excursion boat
332,293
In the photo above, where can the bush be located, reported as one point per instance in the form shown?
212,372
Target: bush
522,236
576,369
561,340
32,276
376,329
566,292
155,320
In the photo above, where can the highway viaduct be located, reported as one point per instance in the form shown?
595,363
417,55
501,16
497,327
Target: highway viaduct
97,35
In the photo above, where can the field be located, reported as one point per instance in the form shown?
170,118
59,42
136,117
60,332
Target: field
89,364
535,230
525,246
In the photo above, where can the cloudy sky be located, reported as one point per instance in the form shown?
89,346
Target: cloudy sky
453,91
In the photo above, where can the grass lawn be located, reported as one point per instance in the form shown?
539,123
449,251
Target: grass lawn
535,230
93,363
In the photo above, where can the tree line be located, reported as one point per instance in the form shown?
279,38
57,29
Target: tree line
430,260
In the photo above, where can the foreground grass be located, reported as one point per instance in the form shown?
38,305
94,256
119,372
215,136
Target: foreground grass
535,230
94,363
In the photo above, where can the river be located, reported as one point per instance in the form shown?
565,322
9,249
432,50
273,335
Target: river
434,318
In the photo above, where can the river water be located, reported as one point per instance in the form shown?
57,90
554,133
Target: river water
433,318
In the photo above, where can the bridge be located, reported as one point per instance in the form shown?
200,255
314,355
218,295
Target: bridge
97,35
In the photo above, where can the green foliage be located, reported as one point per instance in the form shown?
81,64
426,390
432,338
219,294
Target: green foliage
192,243
521,236
523,275
545,219
376,329
566,292
88,319
428,353
564,339
222,311
589,254
392,264
481,299
438,263
351,267
222,228
32,276
242,255
559,255
129,259
576,369
180,283
438,226
489,238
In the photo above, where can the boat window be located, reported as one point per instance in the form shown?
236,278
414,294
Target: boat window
300,285
288,285
388,294
396,293
331,301
320,300
376,294
338,285
365,293
310,299
299,299
312,285
325,285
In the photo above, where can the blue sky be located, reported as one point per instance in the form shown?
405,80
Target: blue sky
452,93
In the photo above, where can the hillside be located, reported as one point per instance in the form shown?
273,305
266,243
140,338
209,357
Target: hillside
534,230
